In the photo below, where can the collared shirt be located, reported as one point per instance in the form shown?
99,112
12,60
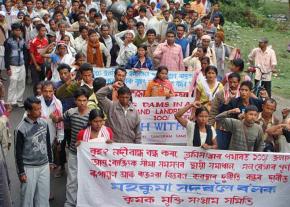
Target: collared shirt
150,50
35,46
170,56
144,20
265,60
125,51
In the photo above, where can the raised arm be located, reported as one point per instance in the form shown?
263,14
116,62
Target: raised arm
227,123
178,115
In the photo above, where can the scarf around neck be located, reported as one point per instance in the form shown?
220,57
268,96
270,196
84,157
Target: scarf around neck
97,57
196,136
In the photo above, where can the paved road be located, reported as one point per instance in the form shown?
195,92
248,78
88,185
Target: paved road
58,184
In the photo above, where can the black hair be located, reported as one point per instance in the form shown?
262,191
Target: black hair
248,84
80,16
206,59
199,110
99,83
151,31
94,113
29,101
204,49
39,26
79,55
211,67
47,83
142,9
238,63
83,28
62,66
92,10
81,92
15,26
86,67
181,25
142,46
121,69
82,5
92,31
35,87
270,100
124,90
251,108
171,32
98,15
159,70
140,24
235,75
109,11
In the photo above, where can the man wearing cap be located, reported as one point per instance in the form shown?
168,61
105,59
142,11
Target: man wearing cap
196,38
264,57
51,37
14,63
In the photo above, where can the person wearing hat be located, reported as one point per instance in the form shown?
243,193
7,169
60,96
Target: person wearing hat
264,57
3,37
14,63
196,33
51,36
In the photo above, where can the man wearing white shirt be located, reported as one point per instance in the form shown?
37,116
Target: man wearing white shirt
127,48
142,16
62,31
29,9
89,4
82,39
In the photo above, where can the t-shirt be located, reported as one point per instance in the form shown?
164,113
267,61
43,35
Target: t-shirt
36,46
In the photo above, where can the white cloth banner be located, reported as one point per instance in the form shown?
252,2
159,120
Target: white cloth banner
120,175
158,124
138,81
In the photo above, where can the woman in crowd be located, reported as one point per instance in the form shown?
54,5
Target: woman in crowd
160,85
198,133
67,41
140,61
96,130
207,88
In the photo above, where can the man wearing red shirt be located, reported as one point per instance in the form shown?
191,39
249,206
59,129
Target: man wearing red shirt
36,45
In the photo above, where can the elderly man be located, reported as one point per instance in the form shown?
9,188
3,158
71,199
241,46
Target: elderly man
264,57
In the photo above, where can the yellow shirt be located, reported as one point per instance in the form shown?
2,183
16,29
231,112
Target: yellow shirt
199,8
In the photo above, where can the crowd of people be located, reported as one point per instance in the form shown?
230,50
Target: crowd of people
56,46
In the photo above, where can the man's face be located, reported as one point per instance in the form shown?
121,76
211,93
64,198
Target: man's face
151,37
262,44
216,21
35,112
17,32
142,14
245,92
166,16
84,34
109,15
120,76
103,7
105,32
47,92
27,21
81,102
251,116
205,43
141,29
64,75
63,3
170,38
82,22
180,32
42,31
38,5
75,6
61,28
199,32
93,37
124,99
87,76
176,21
234,83
29,5
269,108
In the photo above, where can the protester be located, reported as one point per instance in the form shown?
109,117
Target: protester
97,85
14,63
96,131
207,88
198,133
246,134
169,53
160,85
140,37
192,63
152,44
123,118
33,156
140,61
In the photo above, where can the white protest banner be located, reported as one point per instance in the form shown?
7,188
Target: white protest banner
158,124
121,175
137,81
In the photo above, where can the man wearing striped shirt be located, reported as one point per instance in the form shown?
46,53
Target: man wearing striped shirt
78,119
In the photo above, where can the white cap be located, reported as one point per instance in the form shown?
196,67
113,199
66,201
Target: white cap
199,26
205,37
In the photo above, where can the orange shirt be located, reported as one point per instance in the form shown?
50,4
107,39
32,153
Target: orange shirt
199,8
156,89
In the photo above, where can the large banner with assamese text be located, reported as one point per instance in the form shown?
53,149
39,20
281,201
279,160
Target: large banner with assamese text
123,175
